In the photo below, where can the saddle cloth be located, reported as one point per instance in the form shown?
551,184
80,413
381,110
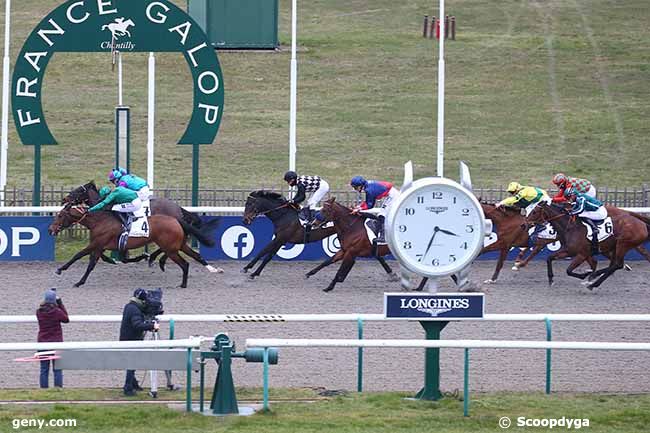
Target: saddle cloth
492,238
140,223
371,230
547,233
605,229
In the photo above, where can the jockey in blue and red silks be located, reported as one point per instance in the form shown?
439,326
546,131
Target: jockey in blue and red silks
375,190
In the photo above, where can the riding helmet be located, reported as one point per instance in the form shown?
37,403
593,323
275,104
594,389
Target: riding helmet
290,175
104,191
358,181
140,294
115,174
571,192
559,179
514,187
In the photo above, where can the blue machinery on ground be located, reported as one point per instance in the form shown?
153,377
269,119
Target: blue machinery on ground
224,399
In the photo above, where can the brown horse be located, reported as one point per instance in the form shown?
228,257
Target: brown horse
286,226
105,229
512,231
628,232
354,242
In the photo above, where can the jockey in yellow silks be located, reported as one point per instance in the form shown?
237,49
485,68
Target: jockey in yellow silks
524,197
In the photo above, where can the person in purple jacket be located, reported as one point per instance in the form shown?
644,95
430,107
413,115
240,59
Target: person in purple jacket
50,314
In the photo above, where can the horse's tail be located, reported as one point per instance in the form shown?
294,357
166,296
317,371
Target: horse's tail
203,234
191,218
105,26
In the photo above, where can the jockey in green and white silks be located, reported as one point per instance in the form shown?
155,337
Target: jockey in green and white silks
137,184
590,210
123,200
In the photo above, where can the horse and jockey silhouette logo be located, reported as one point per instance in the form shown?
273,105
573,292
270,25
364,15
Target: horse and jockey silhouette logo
120,27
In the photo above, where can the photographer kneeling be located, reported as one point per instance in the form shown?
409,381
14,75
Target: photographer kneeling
133,328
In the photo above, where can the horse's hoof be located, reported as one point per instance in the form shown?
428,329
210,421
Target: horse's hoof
551,283
490,281
244,270
251,277
58,271
151,264
307,276
586,283
515,268
328,289
78,285
627,267
590,286
393,277
214,270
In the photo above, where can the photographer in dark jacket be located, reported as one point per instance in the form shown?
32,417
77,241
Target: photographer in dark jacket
50,314
132,329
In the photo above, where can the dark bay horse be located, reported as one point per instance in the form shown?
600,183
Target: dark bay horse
167,232
354,242
512,231
286,226
629,231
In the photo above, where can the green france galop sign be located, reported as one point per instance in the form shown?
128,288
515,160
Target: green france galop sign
127,26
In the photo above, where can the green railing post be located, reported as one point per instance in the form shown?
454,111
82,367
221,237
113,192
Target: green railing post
360,357
171,329
202,384
188,399
266,379
549,337
466,384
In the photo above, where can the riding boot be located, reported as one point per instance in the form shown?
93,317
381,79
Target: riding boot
380,230
594,236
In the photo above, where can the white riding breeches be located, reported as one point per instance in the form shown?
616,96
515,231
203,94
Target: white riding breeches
598,214
144,193
388,201
318,194
591,192
532,206
128,207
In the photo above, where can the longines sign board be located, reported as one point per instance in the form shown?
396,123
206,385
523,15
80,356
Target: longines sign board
439,306
127,26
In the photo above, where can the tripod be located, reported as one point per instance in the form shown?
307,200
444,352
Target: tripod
153,374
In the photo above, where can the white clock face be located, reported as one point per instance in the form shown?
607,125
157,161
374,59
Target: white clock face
436,228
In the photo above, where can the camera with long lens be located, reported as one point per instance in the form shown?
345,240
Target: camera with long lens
153,305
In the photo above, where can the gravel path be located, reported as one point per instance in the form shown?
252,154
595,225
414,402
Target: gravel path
283,290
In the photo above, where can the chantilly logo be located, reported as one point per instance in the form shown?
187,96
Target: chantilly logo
119,28
437,209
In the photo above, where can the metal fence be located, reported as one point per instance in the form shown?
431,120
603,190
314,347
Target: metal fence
236,197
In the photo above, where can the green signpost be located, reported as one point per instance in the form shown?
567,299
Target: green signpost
127,26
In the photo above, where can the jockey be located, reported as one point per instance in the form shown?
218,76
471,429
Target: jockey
564,183
115,175
524,197
124,201
375,190
305,184
590,210
137,184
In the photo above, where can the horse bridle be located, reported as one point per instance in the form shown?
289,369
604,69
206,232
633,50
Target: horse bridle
285,204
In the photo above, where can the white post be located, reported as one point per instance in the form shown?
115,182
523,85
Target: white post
151,120
119,79
294,87
441,93
4,146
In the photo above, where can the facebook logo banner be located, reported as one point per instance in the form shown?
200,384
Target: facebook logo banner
235,240
26,239
439,306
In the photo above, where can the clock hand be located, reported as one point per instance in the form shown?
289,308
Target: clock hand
447,232
436,229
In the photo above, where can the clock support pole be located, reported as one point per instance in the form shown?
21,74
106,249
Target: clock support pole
431,390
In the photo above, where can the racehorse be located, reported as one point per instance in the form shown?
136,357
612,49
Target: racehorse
105,228
89,194
286,226
628,232
512,231
354,242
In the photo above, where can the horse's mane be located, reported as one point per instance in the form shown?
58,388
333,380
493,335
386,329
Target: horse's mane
267,194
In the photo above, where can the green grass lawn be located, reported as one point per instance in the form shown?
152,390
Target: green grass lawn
368,412
532,88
